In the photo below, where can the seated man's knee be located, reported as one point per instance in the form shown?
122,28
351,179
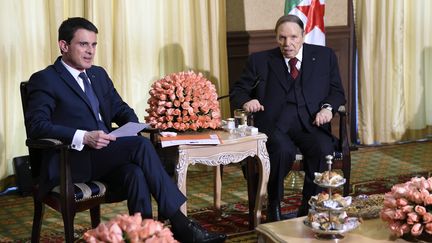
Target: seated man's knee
132,174
281,146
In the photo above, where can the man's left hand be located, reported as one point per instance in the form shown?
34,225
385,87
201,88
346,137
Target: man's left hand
323,117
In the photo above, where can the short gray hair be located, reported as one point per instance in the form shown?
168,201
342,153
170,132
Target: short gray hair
289,18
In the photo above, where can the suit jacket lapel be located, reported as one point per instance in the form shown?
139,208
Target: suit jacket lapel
279,68
308,64
70,81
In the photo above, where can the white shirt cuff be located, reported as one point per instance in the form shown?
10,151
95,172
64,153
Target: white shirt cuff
77,140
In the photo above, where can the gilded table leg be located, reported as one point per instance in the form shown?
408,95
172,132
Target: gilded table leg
264,171
181,173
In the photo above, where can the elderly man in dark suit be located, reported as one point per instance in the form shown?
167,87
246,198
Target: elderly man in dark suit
292,91
76,102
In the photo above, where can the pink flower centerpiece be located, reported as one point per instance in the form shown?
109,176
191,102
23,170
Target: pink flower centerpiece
125,228
183,101
408,207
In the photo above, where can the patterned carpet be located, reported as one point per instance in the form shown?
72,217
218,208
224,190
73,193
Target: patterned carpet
374,170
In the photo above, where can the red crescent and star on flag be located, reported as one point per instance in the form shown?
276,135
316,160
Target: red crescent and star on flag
315,15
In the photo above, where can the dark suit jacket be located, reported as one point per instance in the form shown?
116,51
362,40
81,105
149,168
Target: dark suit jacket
321,84
57,107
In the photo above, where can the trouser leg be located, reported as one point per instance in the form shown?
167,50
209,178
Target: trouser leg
140,151
282,152
314,146
128,181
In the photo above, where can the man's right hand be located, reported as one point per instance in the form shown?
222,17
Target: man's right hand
97,139
253,106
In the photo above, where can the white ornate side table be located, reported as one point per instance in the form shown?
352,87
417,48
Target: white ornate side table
233,149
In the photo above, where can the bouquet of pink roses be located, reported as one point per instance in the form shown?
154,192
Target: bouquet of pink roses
408,206
183,101
125,228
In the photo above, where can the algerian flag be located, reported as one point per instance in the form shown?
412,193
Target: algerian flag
311,12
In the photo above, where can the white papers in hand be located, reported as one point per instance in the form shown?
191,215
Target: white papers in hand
129,129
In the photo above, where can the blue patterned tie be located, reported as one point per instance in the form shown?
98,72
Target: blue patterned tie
88,90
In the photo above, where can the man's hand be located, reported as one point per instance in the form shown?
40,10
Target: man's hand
97,139
253,106
323,117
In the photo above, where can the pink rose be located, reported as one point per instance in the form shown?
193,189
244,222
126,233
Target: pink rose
429,181
161,110
399,190
401,202
216,114
389,201
172,96
415,196
424,193
428,228
182,126
395,227
405,228
427,218
427,200
408,209
399,229
420,210
193,126
387,214
413,218
417,229
177,103
425,184
399,214
177,112
170,112
190,111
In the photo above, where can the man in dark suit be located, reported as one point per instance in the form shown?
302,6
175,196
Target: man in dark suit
76,102
292,91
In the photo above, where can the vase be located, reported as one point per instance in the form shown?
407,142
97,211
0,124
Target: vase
424,237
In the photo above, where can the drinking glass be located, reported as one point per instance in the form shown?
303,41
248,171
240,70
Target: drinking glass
240,118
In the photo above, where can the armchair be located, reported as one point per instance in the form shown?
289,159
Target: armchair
341,159
341,155
68,198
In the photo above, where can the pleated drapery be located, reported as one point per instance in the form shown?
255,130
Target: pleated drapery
394,40
139,41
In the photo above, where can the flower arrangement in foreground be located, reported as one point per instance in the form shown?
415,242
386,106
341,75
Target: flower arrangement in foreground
125,228
408,207
183,101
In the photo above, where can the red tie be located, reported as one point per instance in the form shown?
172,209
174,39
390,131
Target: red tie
293,69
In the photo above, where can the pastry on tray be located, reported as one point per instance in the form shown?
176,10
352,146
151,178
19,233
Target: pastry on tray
329,178
335,222
336,201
